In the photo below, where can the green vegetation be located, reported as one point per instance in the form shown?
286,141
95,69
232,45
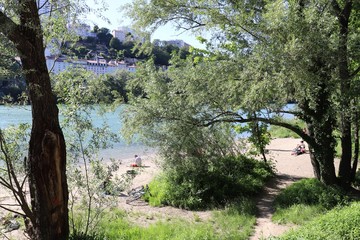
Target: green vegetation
297,214
305,200
110,47
217,183
311,192
280,132
304,204
254,65
223,224
339,223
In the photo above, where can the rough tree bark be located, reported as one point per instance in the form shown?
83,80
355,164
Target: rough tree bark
343,16
46,165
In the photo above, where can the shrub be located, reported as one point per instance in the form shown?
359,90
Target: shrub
336,224
310,192
211,183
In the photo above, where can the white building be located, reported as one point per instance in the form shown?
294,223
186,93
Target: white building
82,30
123,34
177,42
98,66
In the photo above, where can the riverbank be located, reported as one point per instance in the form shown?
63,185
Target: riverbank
293,167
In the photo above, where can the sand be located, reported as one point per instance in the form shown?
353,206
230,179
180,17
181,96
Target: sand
289,168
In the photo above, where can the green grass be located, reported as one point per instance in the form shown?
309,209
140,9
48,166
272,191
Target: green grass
280,132
339,223
305,202
310,192
297,214
229,223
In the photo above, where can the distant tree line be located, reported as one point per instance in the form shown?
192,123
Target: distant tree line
111,47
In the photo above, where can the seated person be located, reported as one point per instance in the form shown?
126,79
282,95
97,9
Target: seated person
137,162
300,149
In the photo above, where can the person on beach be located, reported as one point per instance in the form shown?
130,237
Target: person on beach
300,148
137,162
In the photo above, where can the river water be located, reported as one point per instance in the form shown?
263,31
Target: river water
14,115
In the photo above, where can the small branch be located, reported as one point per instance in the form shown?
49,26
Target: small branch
355,72
13,211
5,236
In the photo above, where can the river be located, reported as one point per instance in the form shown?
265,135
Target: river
14,115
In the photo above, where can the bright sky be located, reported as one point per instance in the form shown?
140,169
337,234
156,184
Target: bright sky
118,19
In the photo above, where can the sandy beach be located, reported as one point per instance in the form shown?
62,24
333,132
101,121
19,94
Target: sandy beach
289,167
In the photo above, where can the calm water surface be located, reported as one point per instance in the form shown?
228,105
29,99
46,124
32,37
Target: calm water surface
14,115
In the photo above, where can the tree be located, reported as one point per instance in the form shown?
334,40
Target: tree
115,43
46,163
161,56
89,176
262,55
117,84
104,36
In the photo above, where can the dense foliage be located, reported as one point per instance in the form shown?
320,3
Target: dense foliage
261,55
209,183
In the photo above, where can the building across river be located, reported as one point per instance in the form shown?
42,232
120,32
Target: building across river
99,65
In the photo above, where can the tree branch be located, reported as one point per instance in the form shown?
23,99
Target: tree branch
353,74
13,211
9,28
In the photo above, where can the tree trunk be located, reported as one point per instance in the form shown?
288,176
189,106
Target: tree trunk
315,164
46,161
46,165
323,157
343,16
320,124
356,146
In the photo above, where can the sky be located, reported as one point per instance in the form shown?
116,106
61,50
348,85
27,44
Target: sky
118,19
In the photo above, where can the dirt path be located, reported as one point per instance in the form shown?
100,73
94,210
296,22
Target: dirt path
289,168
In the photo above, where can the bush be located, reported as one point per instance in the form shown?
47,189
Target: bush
336,224
310,192
195,185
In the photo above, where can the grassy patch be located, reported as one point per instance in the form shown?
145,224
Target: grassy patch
310,192
339,223
280,132
297,214
229,223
